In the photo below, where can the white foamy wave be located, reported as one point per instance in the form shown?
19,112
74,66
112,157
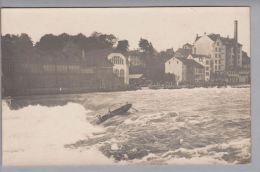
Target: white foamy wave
36,135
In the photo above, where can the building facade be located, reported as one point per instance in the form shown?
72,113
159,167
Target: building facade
203,60
225,53
58,73
120,66
185,70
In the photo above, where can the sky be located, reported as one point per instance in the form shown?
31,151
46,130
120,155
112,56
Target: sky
165,27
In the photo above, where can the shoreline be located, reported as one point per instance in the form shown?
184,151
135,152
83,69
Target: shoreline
153,87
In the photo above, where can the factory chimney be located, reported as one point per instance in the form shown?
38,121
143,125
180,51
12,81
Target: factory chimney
235,31
235,45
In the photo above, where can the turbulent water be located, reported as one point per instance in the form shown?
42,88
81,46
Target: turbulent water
183,126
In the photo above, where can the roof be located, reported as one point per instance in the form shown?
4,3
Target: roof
199,55
98,57
190,62
187,44
245,58
135,76
181,52
224,40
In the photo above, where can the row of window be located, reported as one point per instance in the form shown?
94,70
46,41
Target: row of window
217,55
217,67
117,60
217,61
49,68
217,49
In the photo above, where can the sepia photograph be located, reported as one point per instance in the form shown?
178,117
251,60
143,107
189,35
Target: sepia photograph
126,86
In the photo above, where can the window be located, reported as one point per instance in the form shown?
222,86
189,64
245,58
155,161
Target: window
177,62
122,73
169,62
207,73
207,62
216,67
207,68
61,68
216,62
216,49
216,55
49,68
219,61
117,72
217,43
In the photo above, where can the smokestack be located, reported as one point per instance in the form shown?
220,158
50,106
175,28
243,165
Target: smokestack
235,45
235,31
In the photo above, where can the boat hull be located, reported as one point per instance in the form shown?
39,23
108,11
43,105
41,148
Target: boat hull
120,111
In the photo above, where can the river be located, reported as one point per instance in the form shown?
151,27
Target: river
182,126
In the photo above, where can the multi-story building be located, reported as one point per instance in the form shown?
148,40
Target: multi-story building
203,60
225,53
185,70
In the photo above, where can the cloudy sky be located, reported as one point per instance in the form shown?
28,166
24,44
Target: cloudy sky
164,27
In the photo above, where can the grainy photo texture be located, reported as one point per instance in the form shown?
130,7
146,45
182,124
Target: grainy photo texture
120,86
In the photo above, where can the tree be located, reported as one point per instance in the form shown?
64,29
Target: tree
103,40
166,55
123,45
49,42
16,45
146,46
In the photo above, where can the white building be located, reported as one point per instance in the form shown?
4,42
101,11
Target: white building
185,70
225,53
120,66
175,66
203,60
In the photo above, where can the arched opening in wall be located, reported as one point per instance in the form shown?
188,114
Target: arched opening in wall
117,72
122,73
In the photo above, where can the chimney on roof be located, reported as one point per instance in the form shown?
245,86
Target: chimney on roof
235,30
205,33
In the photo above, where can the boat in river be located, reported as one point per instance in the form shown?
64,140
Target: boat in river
118,111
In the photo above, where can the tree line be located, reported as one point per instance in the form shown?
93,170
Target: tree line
17,46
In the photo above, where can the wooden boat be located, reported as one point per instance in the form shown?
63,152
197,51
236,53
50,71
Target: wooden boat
119,111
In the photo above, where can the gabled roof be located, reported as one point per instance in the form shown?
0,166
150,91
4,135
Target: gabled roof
181,52
187,44
190,62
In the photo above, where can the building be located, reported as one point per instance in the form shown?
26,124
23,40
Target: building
71,70
135,59
120,65
185,70
184,51
203,60
225,53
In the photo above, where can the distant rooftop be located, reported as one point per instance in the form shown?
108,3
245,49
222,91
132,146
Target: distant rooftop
190,62
214,37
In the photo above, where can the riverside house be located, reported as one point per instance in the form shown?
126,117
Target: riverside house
185,70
